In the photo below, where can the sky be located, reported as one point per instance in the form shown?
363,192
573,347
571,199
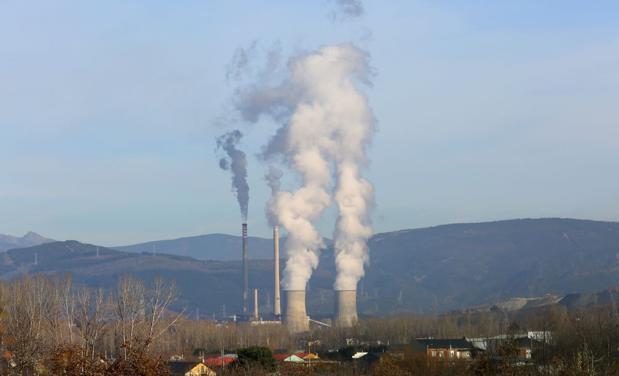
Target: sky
485,110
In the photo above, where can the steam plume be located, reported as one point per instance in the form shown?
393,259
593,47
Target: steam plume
235,161
326,124
353,196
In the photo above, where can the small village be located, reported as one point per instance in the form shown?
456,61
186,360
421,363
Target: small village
515,350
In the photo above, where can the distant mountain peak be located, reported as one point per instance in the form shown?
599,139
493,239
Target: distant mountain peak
33,236
30,239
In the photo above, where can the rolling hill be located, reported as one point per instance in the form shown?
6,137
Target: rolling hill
220,247
432,269
206,247
460,265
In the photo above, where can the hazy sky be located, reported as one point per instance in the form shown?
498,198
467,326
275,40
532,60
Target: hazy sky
486,110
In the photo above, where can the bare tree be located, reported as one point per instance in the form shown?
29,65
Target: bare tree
67,300
159,299
28,304
129,309
142,315
90,319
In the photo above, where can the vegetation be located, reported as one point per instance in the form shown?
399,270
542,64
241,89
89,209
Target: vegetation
48,326
256,357
51,327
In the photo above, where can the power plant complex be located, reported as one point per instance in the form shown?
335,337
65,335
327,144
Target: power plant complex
325,147
295,316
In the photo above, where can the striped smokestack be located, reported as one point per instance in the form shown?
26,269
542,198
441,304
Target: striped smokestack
277,308
256,306
245,269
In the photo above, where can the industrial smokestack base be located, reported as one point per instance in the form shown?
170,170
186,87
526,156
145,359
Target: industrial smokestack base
295,318
346,308
277,308
245,268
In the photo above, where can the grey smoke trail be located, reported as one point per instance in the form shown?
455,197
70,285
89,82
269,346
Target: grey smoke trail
241,61
326,121
235,161
347,9
273,179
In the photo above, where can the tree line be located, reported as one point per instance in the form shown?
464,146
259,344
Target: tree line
51,326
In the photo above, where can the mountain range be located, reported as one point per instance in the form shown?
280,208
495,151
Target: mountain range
30,239
512,263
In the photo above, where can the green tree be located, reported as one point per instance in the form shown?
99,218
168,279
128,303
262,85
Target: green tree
256,356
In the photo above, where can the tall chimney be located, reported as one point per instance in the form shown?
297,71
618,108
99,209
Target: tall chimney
296,319
277,308
256,313
346,308
245,270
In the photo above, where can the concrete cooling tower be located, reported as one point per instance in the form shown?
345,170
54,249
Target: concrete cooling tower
295,317
346,308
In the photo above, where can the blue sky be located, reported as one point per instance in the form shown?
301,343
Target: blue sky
486,110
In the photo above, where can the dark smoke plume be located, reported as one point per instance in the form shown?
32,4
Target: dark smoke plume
346,10
235,161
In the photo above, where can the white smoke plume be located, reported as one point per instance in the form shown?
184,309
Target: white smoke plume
235,161
327,124
353,196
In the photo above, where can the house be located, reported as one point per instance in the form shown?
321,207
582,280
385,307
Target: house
445,348
309,357
522,344
219,361
399,350
288,358
522,347
189,368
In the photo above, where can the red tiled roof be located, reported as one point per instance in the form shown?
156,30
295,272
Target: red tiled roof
218,361
280,357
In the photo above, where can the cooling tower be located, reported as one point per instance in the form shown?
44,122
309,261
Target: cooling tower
346,308
245,269
296,319
277,308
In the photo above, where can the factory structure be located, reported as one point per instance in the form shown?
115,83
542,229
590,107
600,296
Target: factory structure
324,145
295,316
